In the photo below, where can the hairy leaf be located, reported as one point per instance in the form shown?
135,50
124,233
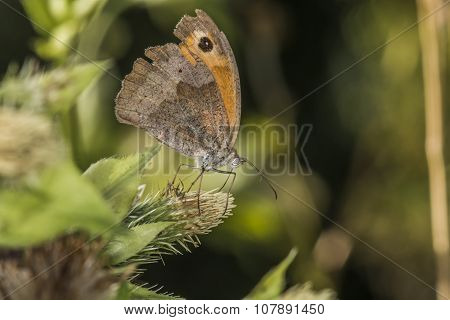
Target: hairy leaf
129,291
118,178
128,243
61,200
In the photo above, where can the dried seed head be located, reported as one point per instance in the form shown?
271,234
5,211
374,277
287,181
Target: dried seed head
27,143
201,217
174,205
67,268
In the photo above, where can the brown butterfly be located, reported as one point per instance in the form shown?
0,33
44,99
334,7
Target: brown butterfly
189,96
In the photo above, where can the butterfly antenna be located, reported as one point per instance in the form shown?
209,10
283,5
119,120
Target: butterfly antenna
263,176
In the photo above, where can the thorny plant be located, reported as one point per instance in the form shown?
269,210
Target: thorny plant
68,234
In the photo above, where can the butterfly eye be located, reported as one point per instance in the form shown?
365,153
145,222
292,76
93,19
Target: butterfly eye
236,162
205,44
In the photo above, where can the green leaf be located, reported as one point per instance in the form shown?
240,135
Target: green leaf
128,243
58,24
38,12
118,178
61,200
129,291
273,282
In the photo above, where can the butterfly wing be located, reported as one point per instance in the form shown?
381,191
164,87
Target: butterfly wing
173,100
177,97
219,59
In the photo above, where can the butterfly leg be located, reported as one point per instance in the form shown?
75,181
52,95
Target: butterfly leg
198,191
225,183
196,179
178,170
231,185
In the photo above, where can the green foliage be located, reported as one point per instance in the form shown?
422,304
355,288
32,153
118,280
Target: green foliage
130,242
49,198
56,90
71,80
187,223
306,292
58,24
60,200
129,291
273,283
118,178
25,133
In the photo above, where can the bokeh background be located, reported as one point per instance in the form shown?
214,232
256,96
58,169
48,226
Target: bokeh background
366,149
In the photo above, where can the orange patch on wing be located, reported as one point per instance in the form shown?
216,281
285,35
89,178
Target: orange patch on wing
223,72
187,54
224,77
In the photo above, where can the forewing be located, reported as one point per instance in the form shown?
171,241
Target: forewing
220,61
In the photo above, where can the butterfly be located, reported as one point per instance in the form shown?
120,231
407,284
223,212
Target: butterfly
189,96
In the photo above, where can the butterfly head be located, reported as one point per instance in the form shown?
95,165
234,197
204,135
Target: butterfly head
234,160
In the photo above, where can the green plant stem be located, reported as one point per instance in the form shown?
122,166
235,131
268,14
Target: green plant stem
70,128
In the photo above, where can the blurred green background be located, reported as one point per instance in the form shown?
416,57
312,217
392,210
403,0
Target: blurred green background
366,149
